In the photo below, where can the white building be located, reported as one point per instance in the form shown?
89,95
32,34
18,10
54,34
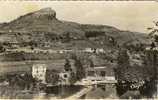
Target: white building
65,78
39,72
90,50
100,50
96,50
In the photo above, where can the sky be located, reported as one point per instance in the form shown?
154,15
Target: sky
124,15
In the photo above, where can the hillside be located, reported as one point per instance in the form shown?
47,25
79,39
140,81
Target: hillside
43,26
120,35
43,20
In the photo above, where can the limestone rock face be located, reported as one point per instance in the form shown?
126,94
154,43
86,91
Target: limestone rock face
45,12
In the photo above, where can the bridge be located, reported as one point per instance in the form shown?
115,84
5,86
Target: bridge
88,82
81,93
89,86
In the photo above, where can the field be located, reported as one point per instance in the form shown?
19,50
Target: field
20,66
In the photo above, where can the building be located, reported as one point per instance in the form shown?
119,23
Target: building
98,75
39,72
100,50
64,78
90,50
96,72
94,50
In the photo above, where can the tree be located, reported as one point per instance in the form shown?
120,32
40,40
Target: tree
33,44
52,77
153,30
122,65
91,63
152,45
123,58
150,66
67,37
2,49
120,70
80,71
72,78
152,55
67,65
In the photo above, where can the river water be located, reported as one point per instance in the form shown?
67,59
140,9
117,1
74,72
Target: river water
62,91
58,92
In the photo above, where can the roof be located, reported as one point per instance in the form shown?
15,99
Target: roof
100,67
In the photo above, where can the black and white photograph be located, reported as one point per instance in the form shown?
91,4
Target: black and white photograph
78,50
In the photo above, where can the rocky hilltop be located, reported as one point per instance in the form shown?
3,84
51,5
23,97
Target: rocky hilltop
45,12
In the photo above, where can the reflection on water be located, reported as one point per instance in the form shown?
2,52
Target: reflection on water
59,92
49,93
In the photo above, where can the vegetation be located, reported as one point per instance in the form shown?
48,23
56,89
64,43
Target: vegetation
80,71
2,49
89,34
67,65
22,81
131,77
52,77
123,58
72,78
23,56
153,31
67,37
91,63
138,77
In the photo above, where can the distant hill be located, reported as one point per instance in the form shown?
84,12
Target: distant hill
120,35
1,24
43,26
